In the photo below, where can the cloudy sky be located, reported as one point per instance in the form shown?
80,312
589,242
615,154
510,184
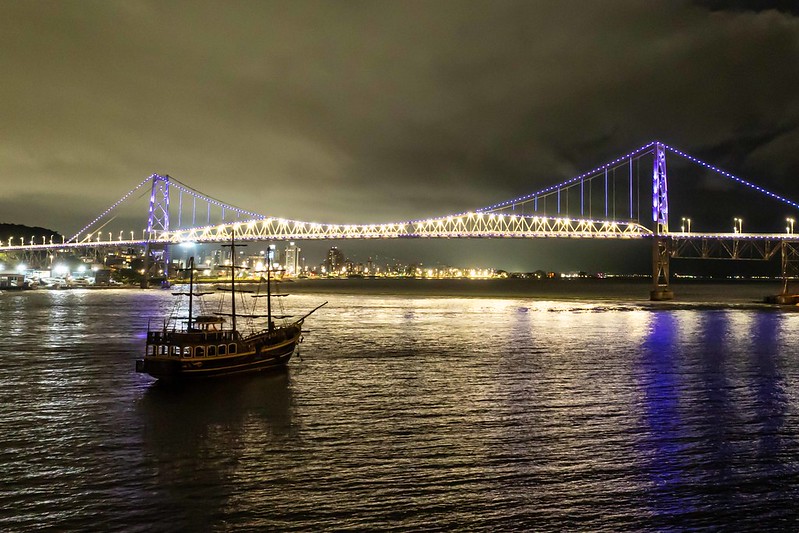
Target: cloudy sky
378,111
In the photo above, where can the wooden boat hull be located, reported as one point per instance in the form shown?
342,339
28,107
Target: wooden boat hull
260,354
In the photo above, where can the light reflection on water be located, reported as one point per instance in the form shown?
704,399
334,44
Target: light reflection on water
407,412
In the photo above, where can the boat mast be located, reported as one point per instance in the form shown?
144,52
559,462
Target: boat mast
191,289
269,326
233,277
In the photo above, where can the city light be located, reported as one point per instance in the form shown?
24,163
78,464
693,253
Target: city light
789,228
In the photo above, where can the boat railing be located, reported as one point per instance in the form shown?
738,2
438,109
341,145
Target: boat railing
184,336
276,333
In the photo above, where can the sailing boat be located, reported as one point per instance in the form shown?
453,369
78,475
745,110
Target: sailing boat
201,347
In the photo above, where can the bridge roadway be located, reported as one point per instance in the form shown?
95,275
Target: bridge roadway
470,225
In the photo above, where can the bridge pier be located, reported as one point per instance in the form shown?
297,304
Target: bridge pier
661,290
789,258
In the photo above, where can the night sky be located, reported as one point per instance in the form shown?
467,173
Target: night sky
355,112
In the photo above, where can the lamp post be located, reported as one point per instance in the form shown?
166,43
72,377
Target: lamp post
686,225
738,225
789,228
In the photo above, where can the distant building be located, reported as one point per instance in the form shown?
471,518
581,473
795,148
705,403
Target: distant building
292,260
102,276
335,261
12,280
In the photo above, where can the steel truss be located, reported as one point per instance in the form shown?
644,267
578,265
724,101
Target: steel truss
745,247
469,225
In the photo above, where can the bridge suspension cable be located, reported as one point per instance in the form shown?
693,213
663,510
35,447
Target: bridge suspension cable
733,177
607,191
111,208
210,200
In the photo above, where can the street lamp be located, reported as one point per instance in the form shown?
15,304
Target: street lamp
738,225
686,225
790,221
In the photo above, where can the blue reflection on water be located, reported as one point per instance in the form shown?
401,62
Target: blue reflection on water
662,445
715,417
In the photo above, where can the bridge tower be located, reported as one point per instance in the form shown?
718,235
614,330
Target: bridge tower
157,220
660,216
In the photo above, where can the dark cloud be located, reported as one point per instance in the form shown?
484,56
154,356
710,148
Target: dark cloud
787,6
382,111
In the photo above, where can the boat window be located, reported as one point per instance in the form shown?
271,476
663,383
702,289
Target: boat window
153,350
186,351
222,349
231,348
199,351
174,350
163,349
212,350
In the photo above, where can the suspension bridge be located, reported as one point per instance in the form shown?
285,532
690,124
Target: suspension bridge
626,198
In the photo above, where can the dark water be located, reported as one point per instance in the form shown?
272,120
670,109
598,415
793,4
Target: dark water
532,409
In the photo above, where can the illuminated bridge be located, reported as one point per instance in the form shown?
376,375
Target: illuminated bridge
612,201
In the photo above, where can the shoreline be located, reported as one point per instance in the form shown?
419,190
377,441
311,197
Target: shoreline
689,294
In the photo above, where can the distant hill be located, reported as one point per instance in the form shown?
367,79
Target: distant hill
20,231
